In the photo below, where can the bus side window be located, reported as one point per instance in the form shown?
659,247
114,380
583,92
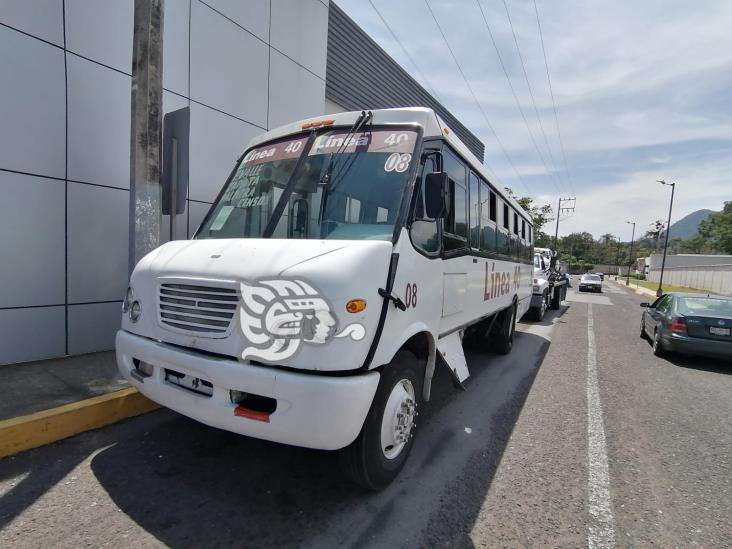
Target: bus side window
487,218
475,207
455,234
503,242
423,231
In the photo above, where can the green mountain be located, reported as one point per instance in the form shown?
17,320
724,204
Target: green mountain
686,227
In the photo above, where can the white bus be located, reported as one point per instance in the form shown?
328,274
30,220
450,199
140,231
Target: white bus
344,258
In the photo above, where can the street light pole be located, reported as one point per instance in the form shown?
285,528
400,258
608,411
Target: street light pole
659,292
630,259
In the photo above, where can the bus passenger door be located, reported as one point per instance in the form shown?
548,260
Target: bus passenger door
457,263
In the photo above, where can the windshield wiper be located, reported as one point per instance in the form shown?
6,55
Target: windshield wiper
328,180
342,171
274,218
325,178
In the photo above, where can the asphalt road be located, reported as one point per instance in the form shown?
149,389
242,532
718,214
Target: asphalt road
579,437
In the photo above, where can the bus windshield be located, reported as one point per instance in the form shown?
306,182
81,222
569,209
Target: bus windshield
346,188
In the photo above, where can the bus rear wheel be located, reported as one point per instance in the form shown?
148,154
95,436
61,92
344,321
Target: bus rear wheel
381,449
502,339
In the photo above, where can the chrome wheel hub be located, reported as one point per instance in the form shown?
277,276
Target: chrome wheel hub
398,420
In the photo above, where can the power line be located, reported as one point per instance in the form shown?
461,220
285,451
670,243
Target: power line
566,210
515,97
475,98
554,103
406,53
528,85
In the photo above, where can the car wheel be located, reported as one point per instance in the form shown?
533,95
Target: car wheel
540,310
658,349
643,334
380,451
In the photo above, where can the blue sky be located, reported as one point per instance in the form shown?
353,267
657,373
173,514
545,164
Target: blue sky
643,92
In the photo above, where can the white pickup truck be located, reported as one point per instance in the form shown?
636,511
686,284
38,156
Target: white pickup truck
345,257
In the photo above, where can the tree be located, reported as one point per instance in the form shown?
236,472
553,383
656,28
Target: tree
579,245
540,216
717,229
654,233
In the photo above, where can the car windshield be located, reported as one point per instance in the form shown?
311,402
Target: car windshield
590,278
704,306
359,199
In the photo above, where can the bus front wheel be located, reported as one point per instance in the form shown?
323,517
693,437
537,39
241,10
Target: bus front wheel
381,449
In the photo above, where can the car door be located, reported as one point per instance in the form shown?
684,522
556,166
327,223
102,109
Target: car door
657,312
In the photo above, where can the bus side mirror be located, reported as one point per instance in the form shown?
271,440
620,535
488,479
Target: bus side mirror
435,195
174,180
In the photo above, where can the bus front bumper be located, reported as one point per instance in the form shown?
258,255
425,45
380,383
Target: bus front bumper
313,411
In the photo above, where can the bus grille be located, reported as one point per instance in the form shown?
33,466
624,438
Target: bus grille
203,310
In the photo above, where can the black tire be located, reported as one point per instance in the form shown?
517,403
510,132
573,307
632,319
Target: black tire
537,313
643,334
364,461
556,299
502,339
658,348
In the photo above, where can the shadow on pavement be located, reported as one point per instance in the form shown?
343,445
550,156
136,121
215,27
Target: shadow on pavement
551,317
191,485
36,475
707,364
188,484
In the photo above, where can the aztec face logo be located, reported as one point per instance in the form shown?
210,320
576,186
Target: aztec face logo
278,315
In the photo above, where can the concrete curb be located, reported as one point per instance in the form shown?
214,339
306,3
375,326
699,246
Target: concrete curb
26,432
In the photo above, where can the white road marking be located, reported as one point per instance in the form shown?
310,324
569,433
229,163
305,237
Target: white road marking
601,531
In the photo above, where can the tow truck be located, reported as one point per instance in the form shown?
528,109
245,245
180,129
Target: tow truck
549,285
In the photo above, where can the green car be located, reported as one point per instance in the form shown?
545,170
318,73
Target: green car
693,324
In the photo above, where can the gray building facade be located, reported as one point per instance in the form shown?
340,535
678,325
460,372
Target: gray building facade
65,65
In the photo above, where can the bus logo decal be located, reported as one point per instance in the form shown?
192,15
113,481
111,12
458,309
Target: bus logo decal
278,315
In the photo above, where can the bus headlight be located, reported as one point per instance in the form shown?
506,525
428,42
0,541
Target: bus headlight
129,296
135,311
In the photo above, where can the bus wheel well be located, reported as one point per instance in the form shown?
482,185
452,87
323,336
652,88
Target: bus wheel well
419,344
423,346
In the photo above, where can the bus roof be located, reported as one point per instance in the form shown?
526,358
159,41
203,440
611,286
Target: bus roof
432,124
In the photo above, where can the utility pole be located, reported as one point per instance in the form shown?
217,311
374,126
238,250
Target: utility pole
145,161
659,292
559,213
630,259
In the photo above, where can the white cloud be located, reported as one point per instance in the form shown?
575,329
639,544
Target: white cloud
641,88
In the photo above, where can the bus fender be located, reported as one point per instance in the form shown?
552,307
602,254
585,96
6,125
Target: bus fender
419,340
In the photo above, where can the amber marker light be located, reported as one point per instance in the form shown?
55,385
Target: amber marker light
356,305
318,123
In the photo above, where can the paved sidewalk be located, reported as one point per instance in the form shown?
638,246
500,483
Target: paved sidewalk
36,386
640,290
